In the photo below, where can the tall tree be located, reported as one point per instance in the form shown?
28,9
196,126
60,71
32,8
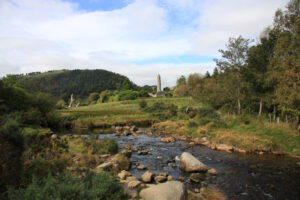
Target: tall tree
255,72
285,64
234,58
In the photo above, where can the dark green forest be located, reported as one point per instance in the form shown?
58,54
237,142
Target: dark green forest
61,84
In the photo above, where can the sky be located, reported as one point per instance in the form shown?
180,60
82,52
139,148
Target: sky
136,38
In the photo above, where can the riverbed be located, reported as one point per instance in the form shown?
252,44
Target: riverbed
240,176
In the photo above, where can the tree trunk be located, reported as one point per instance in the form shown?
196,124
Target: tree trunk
274,113
260,107
239,106
270,117
298,122
278,120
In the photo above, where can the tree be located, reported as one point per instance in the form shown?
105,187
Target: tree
181,91
207,75
284,69
181,81
215,73
255,72
93,97
234,58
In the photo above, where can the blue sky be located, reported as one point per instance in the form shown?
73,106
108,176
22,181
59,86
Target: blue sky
105,5
136,38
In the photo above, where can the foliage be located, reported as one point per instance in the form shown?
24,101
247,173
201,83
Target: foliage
127,95
93,97
60,104
181,91
81,83
105,146
92,186
162,110
12,146
143,104
208,115
181,81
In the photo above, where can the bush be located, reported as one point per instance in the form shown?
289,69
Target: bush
105,146
208,115
208,112
93,186
127,95
93,97
162,110
41,167
12,147
143,104
61,104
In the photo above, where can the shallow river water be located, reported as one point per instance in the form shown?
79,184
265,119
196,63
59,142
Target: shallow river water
249,177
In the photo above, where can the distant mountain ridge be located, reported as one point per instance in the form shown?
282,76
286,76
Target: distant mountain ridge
63,83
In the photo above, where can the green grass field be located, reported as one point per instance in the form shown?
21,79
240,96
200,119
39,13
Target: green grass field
115,113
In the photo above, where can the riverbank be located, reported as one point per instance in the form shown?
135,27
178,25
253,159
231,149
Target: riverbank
244,134
255,138
105,115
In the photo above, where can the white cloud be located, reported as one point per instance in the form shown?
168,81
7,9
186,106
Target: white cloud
43,35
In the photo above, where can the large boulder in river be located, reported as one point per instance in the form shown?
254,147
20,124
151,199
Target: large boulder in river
172,190
189,163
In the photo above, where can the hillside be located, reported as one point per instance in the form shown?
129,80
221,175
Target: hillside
81,83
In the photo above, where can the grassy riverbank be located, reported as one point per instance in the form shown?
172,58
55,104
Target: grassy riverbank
255,136
242,132
117,113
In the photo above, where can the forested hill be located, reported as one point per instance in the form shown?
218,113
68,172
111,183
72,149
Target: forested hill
81,83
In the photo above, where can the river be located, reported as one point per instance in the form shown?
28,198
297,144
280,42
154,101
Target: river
243,177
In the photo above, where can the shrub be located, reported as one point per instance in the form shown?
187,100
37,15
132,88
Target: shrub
127,95
93,97
12,147
208,112
162,110
143,104
105,146
41,167
208,115
92,186
60,104
143,93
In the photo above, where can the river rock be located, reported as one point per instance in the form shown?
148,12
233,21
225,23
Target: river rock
126,152
103,156
141,167
167,139
104,166
172,190
124,174
170,178
147,177
131,147
126,132
133,184
54,136
131,178
144,152
133,129
189,163
160,178
197,177
181,178
224,147
212,171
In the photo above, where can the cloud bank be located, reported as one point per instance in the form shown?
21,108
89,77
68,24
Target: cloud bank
55,34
